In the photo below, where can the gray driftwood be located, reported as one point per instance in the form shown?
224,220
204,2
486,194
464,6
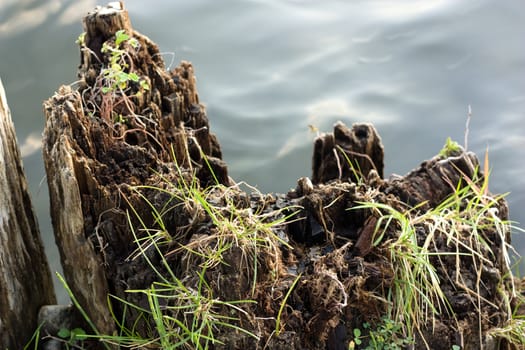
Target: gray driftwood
25,278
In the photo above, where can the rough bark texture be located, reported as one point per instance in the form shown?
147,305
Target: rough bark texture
347,154
25,278
97,144
120,157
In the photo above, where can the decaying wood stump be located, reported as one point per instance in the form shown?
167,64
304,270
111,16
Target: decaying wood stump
347,154
25,278
329,215
105,138
97,143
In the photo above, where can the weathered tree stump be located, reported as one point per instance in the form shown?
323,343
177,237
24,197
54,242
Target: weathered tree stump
113,132
347,154
97,143
25,278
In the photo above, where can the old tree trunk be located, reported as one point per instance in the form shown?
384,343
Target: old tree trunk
25,278
97,144
141,200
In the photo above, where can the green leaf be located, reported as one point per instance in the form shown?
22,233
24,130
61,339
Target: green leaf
134,43
133,77
357,332
120,36
78,334
81,40
450,148
116,67
122,76
144,85
64,333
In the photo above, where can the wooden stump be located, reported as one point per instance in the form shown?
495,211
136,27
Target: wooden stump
100,139
347,154
25,278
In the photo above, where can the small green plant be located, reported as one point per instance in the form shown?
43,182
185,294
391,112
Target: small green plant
357,340
387,335
81,40
416,286
72,338
451,148
117,82
115,75
191,318
190,314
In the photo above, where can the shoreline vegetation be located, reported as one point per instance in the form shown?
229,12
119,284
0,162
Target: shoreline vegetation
161,249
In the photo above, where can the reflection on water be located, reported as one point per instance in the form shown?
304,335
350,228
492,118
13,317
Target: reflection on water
20,16
269,69
31,145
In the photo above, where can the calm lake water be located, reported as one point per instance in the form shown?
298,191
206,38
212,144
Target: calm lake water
267,69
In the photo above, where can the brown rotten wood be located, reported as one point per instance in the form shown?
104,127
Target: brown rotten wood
97,144
25,278
347,154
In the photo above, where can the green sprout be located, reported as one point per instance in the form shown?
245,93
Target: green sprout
81,40
451,148
115,75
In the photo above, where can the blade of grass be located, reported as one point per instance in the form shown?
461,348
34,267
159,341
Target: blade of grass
79,307
283,304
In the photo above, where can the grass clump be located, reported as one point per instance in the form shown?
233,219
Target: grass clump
206,270
181,315
513,332
196,298
442,253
